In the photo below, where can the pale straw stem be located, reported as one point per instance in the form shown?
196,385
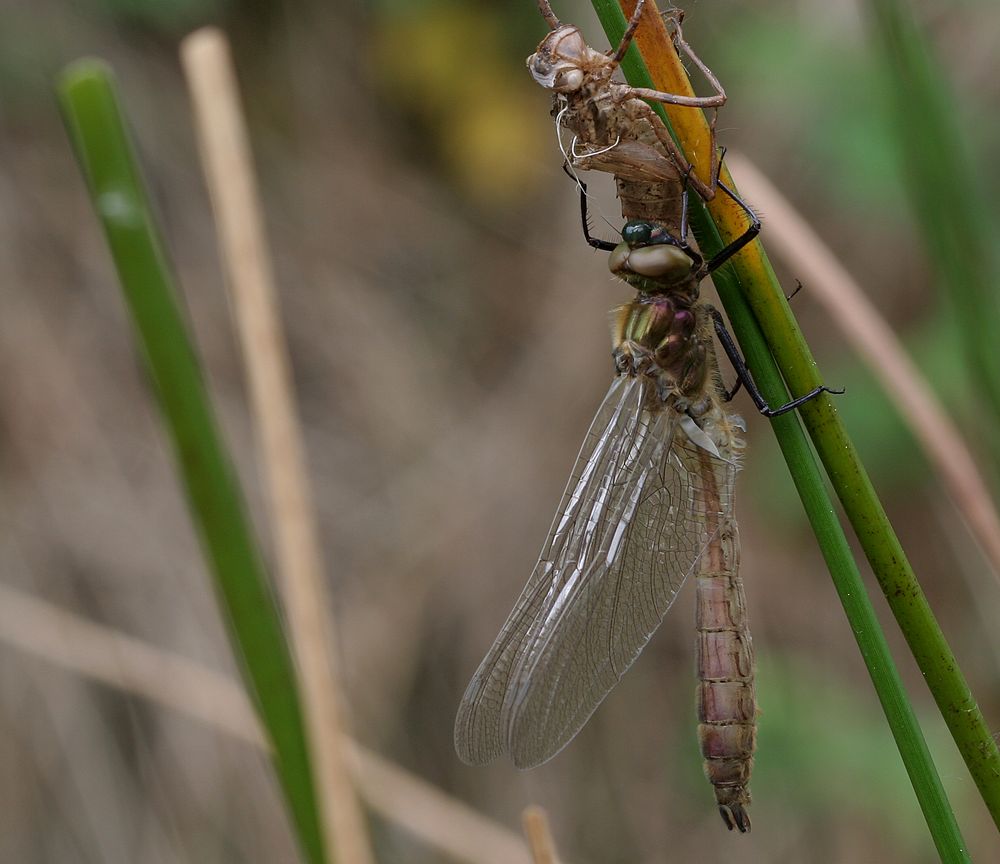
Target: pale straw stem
864,328
105,655
226,158
536,828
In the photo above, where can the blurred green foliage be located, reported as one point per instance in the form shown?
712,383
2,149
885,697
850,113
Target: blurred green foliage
817,727
451,69
168,17
835,119
956,219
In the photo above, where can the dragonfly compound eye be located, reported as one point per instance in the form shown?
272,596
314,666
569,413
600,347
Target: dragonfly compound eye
667,263
637,232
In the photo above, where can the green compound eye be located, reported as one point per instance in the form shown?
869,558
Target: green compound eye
637,233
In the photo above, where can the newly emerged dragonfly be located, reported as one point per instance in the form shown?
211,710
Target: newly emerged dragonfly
649,502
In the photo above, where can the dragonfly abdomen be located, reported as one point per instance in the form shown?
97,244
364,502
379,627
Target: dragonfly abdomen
727,708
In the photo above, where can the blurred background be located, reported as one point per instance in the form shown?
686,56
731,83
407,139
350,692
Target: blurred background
448,332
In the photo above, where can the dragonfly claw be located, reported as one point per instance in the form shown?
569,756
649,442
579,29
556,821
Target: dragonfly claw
735,815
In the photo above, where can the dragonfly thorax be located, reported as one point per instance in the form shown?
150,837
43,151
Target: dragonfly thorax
658,336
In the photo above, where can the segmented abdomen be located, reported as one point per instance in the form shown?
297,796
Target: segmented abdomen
727,709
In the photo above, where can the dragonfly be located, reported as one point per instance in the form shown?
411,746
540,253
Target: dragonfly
649,503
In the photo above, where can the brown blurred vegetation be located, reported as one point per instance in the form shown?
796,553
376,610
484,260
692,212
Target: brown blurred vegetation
447,328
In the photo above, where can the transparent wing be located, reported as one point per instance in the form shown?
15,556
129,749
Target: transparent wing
630,529
479,738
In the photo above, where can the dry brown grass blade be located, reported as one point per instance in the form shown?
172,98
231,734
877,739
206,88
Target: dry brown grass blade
536,828
105,655
226,157
873,339
864,328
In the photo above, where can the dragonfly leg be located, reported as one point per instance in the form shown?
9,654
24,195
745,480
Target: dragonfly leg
746,237
684,208
633,25
715,101
550,17
729,395
718,99
635,95
594,242
743,374
644,112
683,227
720,94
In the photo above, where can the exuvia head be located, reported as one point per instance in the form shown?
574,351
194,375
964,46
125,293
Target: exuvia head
563,59
650,251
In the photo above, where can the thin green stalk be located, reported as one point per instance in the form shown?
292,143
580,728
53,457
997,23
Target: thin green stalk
736,285
96,126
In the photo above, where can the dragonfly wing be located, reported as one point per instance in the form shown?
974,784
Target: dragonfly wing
480,733
615,572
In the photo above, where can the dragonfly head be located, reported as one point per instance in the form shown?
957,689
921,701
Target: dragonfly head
651,258
562,60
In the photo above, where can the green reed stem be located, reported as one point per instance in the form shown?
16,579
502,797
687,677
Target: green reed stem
767,332
97,129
